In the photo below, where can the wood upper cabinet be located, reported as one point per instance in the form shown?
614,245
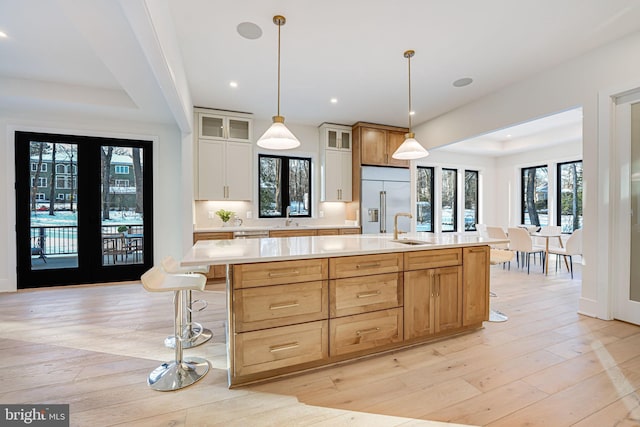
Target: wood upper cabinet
377,143
475,284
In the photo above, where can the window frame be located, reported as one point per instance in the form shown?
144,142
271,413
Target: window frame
477,200
454,208
284,184
522,193
431,185
118,169
559,192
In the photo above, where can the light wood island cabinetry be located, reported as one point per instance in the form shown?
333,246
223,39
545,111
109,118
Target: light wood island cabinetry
287,316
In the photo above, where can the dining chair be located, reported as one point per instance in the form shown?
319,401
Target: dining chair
497,233
572,247
520,242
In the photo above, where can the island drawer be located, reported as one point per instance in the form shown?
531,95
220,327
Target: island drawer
365,331
355,295
271,306
279,272
420,260
282,347
364,265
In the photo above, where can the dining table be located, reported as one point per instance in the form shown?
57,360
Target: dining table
548,236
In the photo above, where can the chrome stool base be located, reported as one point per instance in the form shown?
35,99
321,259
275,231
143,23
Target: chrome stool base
197,336
172,376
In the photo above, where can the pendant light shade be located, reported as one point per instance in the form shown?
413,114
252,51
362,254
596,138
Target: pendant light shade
278,137
410,149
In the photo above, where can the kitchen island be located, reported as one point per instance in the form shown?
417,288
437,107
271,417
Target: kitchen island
298,303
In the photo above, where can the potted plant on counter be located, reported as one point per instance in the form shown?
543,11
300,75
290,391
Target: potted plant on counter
225,216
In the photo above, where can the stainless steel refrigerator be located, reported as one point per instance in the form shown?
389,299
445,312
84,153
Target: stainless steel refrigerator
385,192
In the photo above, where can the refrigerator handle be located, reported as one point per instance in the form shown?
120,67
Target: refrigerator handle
383,211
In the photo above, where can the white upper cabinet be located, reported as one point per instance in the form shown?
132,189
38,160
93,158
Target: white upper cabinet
224,127
224,156
336,181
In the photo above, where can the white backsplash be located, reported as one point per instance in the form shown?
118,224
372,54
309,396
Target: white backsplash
333,213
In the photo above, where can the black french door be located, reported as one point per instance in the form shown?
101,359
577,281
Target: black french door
83,209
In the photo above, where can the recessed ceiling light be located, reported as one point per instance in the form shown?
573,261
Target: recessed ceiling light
334,100
233,84
412,113
465,81
3,35
249,30
508,135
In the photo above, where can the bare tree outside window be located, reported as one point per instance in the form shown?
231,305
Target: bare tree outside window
535,191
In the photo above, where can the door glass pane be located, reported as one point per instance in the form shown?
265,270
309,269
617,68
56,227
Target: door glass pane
424,191
332,139
212,126
634,286
449,199
238,129
53,205
122,205
346,140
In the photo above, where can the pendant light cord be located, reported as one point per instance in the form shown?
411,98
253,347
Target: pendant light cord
279,25
409,58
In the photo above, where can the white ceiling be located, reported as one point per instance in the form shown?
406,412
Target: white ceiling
87,57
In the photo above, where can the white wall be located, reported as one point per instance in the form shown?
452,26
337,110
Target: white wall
572,84
167,178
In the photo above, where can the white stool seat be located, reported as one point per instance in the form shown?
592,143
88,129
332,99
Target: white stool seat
156,280
180,372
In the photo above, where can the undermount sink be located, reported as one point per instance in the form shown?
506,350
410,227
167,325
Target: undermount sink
412,242
291,226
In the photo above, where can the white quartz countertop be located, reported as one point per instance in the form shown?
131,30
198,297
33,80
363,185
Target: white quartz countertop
242,251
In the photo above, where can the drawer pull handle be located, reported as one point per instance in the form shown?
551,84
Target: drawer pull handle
370,265
367,331
283,305
284,273
481,249
282,347
368,294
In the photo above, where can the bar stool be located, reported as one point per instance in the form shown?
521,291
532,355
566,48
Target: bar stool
182,371
194,334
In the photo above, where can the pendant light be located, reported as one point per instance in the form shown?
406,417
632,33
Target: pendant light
410,149
278,137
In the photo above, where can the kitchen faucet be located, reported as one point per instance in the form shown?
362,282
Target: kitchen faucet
287,222
395,224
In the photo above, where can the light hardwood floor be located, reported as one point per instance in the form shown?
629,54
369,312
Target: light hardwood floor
93,347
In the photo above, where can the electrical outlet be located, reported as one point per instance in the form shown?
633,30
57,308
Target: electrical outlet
212,214
321,213
249,215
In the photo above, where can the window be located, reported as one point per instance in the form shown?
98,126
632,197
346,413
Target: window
34,167
60,196
66,182
535,204
449,199
569,193
122,170
284,182
40,196
121,182
61,169
42,182
470,200
424,193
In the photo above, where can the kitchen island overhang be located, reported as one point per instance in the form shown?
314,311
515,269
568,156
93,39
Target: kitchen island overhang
304,302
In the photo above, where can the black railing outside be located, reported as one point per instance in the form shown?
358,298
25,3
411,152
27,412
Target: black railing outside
63,240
